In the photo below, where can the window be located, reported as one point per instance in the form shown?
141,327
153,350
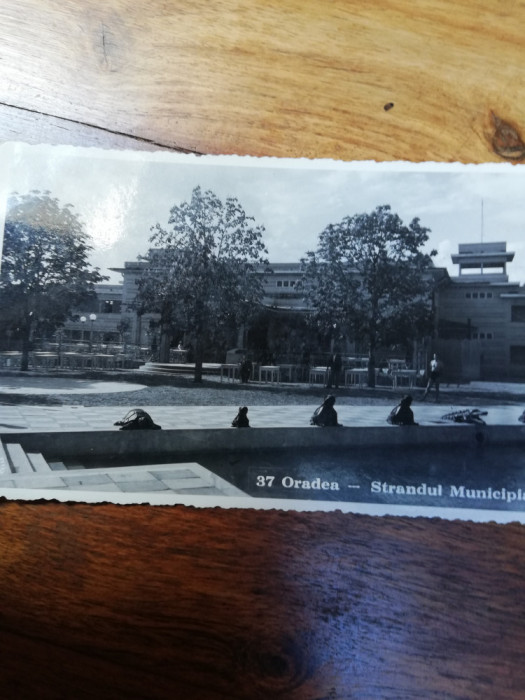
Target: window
482,295
279,283
474,295
517,354
490,336
517,314
467,295
286,283
110,307
489,295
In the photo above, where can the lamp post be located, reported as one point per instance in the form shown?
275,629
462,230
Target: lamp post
92,318
59,347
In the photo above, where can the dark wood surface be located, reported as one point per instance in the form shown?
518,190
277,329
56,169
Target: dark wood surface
103,601
136,601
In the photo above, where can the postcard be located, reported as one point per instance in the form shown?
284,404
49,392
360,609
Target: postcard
223,331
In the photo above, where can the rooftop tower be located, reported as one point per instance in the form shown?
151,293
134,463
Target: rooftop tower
482,262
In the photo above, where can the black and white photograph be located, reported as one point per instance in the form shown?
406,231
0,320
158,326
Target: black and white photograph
262,333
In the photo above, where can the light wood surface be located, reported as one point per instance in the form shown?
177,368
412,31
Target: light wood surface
301,77
139,602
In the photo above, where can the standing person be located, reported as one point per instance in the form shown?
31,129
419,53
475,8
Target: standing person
335,364
305,364
434,377
245,370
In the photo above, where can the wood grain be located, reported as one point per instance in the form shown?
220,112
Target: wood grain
133,601
301,78
138,602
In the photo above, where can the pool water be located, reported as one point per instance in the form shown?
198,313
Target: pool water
454,476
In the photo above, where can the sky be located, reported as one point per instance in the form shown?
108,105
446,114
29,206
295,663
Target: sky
120,195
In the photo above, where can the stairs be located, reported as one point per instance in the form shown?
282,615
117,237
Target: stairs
21,469
30,470
14,460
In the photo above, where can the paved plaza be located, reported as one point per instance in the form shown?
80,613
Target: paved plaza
352,409
19,418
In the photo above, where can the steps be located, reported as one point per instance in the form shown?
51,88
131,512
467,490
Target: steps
19,461
5,467
30,470
21,469
14,460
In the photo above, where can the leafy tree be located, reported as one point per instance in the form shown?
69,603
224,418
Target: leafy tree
370,277
201,273
45,272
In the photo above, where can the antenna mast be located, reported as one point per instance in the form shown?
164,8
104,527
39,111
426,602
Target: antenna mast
482,220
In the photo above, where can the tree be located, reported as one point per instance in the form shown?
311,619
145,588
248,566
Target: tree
203,274
45,271
370,277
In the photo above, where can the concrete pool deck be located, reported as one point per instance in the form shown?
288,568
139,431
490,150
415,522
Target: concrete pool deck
22,418
40,418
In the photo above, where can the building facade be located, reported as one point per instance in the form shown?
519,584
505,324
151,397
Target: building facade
479,314
98,321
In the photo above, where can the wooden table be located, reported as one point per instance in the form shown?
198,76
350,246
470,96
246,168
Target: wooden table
356,377
269,374
46,360
318,375
105,601
291,373
10,359
404,377
230,371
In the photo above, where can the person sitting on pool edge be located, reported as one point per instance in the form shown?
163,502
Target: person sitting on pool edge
241,419
402,414
326,416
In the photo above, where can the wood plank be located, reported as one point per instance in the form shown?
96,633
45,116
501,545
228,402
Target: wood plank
32,127
243,604
430,79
